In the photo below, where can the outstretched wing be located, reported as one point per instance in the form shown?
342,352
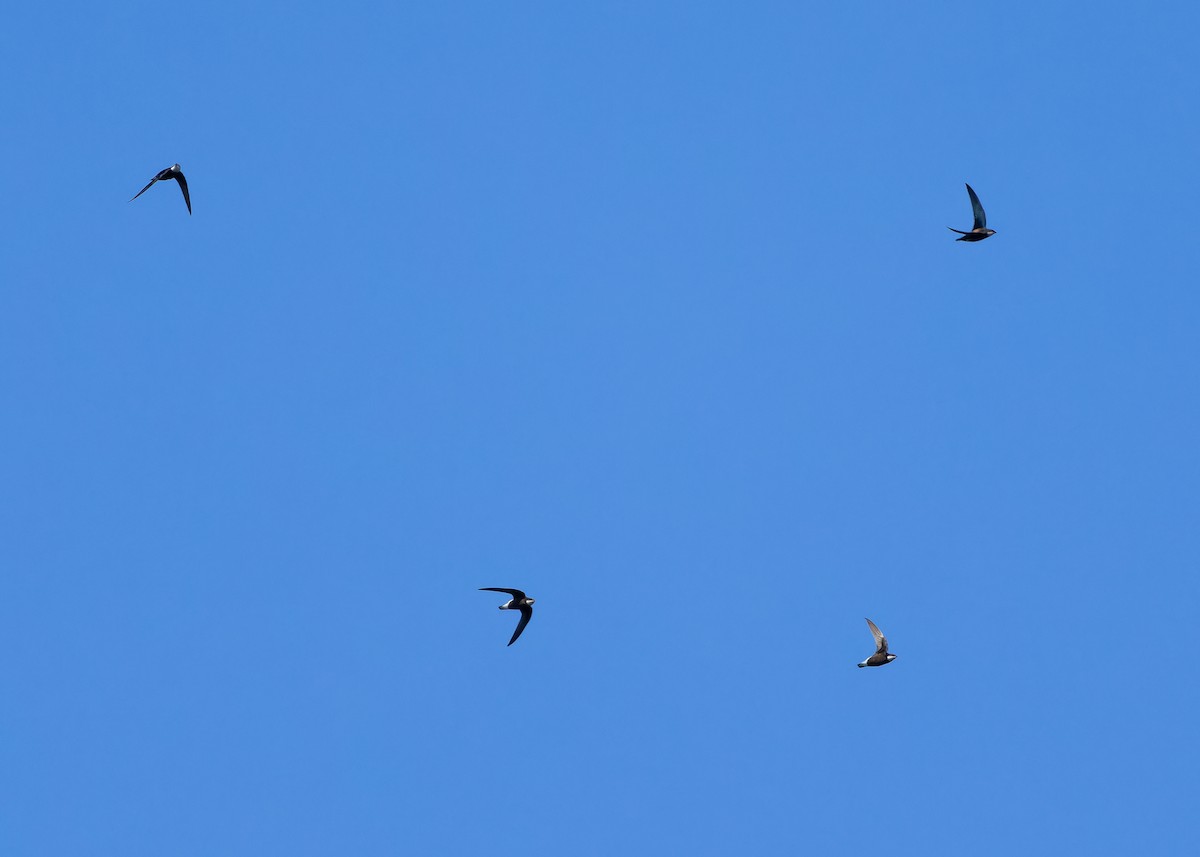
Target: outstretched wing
977,208
526,614
183,187
880,640
515,593
143,190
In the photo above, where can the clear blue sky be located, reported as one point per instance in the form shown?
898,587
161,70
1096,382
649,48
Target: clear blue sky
648,309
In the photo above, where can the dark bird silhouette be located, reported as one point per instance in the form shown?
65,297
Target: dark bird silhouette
881,655
980,230
172,172
518,602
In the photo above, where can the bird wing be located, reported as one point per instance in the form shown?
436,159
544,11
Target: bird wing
515,593
880,640
977,208
526,614
183,187
143,190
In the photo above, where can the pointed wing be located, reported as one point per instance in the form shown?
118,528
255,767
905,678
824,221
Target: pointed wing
143,190
526,614
515,593
183,187
977,208
880,640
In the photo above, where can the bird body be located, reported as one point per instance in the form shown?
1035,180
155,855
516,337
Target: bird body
979,231
171,172
518,602
881,656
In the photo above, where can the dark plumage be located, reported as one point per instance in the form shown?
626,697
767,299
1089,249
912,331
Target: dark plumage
979,231
881,656
172,172
518,602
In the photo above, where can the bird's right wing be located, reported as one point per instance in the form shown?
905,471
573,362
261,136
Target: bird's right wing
515,593
146,188
977,209
880,640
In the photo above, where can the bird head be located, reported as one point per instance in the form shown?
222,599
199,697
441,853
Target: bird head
985,232
176,167
891,658
529,600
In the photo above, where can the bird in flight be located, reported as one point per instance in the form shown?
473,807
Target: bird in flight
518,602
881,656
979,231
172,172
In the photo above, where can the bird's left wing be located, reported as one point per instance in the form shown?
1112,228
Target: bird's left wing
183,187
526,615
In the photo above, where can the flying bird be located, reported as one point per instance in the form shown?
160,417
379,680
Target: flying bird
980,230
881,656
172,172
518,602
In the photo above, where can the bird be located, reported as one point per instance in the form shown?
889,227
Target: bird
881,656
171,172
518,602
979,231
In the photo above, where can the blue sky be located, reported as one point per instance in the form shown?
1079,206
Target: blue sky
648,309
